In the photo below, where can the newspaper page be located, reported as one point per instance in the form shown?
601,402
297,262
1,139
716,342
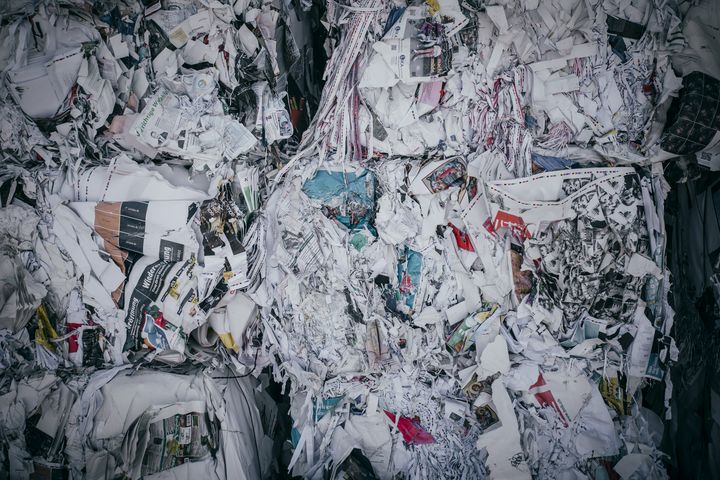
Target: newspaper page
124,179
158,120
176,440
168,125
157,229
415,48
440,175
161,305
462,337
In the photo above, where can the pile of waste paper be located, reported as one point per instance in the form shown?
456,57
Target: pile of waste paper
136,141
439,226
465,272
